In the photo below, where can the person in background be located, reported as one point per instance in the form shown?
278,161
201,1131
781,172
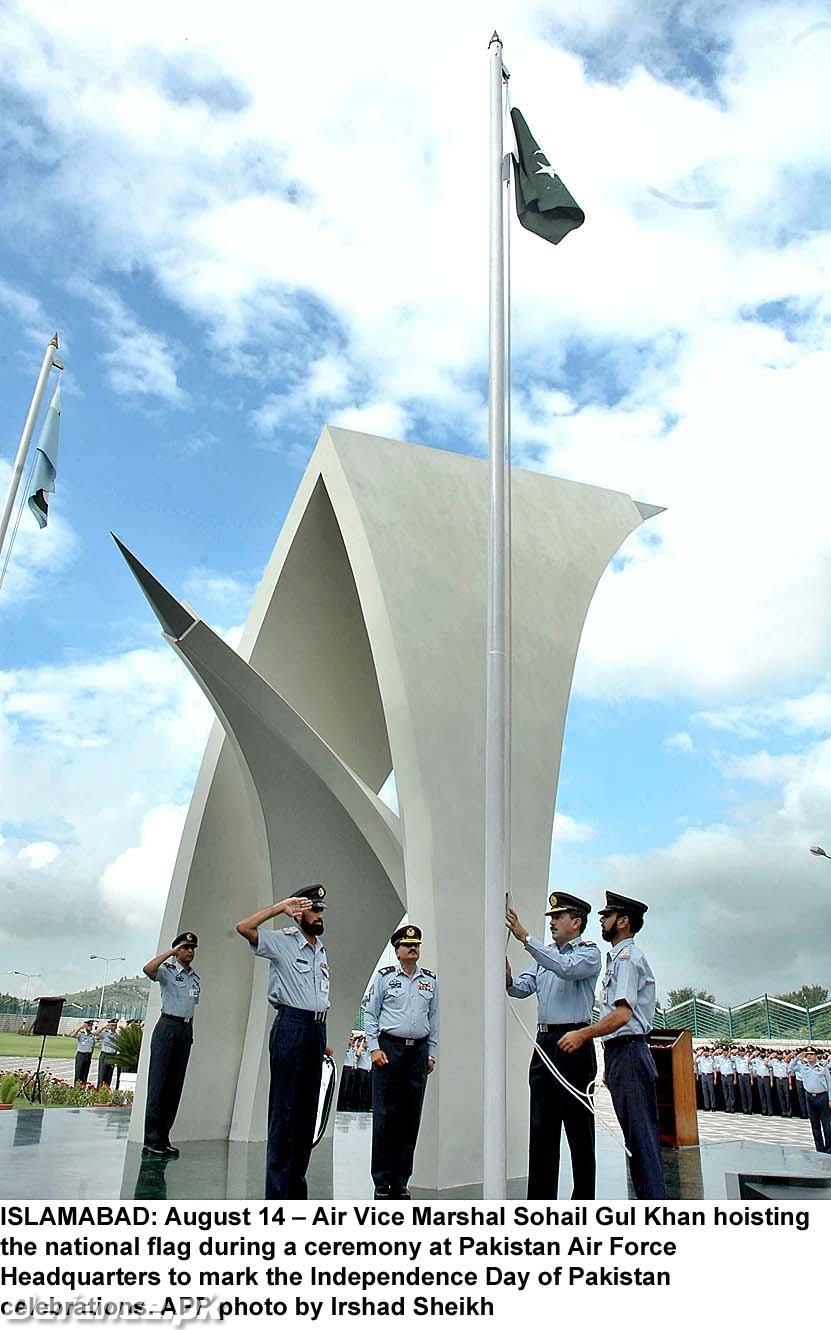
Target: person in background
782,1082
763,1079
85,1036
363,1076
106,1045
745,1081
705,1071
816,1082
725,1069
345,1091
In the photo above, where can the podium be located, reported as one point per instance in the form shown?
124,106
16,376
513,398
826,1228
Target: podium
677,1113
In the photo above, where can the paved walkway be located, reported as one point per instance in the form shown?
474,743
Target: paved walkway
711,1126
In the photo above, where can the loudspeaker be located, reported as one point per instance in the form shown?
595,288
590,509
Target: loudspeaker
48,1016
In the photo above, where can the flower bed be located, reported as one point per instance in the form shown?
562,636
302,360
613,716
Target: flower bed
58,1093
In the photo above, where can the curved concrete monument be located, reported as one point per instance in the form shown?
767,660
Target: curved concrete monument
362,654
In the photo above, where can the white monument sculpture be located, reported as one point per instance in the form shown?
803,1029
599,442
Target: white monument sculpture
362,654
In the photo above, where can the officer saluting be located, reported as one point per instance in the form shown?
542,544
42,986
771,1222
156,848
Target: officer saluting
401,1023
171,1042
626,1014
563,977
298,989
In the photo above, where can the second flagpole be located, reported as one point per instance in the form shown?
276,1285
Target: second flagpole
494,1117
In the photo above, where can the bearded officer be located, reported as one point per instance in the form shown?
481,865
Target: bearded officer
298,989
627,1013
171,1042
401,1023
563,977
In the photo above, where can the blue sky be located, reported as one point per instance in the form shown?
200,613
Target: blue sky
238,247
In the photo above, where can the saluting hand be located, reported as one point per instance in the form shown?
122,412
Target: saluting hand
294,906
379,1058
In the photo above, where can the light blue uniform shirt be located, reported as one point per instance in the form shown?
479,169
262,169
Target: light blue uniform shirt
628,978
180,989
795,1067
107,1040
404,1006
298,972
86,1041
563,979
742,1065
705,1066
724,1065
760,1069
816,1079
349,1060
364,1060
779,1067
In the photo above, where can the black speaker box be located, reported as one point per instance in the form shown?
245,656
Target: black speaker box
48,1016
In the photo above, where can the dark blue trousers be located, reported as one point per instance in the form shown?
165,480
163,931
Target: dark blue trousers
708,1089
631,1077
800,1098
784,1093
82,1061
552,1109
820,1115
296,1046
170,1048
765,1093
397,1098
728,1090
746,1092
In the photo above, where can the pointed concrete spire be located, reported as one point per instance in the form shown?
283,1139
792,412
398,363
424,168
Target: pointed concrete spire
648,510
173,616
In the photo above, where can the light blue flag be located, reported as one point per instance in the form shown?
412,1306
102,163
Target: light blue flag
46,462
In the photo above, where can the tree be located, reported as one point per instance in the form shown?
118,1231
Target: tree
809,995
679,995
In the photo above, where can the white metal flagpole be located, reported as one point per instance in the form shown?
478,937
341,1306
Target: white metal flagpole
49,360
496,729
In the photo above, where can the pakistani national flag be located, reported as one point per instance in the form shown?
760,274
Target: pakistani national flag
46,462
543,203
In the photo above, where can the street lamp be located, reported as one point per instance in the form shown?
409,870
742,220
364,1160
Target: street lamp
817,849
28,978
107,959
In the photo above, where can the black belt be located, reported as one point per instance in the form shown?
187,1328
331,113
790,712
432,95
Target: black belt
183,1020
629,1039
816,1094
302,1014
397,1039
553,1029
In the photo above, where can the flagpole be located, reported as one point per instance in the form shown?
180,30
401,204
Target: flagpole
49,360
494,1117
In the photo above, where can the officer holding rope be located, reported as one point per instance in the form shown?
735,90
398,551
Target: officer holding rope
563,977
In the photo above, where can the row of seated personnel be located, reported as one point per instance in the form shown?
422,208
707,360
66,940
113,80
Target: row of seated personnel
744,1078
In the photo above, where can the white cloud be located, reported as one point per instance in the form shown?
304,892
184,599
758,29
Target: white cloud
568,831
679,743
135,884
39,558
139,362
39,854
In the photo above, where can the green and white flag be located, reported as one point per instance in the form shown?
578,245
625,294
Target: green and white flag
543,203
46,462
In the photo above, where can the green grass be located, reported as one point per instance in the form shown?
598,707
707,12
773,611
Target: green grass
23,1045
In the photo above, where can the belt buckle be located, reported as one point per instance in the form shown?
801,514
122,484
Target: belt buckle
542,1029
409,1043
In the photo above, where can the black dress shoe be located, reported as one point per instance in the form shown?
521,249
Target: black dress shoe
171,1150
382,1193
152,1150
401,1195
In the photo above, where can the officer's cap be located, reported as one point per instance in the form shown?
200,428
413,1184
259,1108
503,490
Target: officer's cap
186,940
409,935
559,902
316,895
623,904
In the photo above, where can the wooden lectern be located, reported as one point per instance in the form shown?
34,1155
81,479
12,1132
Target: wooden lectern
677,1113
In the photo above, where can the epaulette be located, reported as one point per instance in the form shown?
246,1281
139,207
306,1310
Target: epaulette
431,973
388,969
586,942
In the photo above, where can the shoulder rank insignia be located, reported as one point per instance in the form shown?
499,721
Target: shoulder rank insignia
625,954
387,969
431,973
291,929
587,942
